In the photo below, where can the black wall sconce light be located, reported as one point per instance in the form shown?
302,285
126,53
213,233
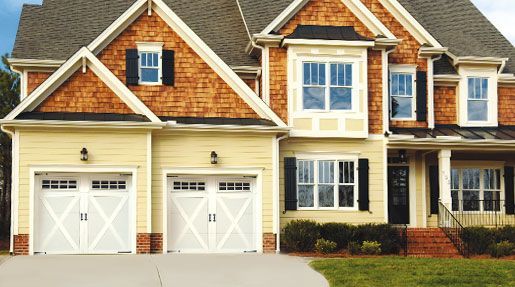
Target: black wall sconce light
84,154
214,157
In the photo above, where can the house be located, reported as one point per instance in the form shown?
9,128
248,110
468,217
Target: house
206,126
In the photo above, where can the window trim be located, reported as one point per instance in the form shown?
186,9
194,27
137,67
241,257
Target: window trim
460,166
151,47
487,99
403,69
336,183
490,73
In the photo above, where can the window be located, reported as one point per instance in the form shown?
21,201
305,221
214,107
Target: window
189,185
150,65
108,184
329,93
477,102
326,184
475,189
401,96
233,186
58,184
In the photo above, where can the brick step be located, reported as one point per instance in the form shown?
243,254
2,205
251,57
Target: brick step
432,250
429,239
430,242
435,256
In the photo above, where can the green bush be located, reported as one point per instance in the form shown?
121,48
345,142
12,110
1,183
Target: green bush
502,249
301,235
325,246
354,248
340,233
506,233
479,239
371,248
388,236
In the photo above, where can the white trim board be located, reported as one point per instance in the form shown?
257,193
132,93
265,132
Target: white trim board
356,7
67,70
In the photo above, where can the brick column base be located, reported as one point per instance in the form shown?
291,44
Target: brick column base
143,243
21,244
156,243
269,243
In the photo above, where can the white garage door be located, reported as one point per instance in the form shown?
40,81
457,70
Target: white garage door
212,214
82,214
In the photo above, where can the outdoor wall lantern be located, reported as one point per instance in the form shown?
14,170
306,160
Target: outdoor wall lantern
402,156
214,158
84,154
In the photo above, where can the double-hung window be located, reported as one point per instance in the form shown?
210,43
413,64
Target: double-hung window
476,189
326,184
327,86
150,67
402,96
477,101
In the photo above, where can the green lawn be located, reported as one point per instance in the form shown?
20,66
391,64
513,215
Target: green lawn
400,271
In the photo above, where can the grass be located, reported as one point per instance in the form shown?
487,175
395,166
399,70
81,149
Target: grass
400,271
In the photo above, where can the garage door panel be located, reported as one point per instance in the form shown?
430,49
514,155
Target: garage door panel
188,223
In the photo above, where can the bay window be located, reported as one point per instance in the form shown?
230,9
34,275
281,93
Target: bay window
326,184
476,189
327,86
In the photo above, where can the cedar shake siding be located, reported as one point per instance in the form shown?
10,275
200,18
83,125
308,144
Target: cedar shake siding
84,93
279,82
405,53
445,105
198,90
506,106
34,79
375,92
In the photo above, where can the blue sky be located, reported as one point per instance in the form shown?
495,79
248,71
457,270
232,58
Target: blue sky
500,12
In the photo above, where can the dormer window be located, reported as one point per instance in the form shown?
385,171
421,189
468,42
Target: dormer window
327,86
477,102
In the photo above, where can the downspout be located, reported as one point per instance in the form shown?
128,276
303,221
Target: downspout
264,72
386,91
276,193
23,83
13,192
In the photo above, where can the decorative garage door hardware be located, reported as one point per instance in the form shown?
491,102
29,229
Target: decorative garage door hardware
82,214
228,206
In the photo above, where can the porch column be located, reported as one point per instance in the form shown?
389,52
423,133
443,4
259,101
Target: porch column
444,173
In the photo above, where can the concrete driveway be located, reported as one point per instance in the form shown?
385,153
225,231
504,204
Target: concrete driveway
175,270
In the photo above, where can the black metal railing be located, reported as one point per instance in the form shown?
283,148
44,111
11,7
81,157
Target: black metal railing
490,213
404,239
452,227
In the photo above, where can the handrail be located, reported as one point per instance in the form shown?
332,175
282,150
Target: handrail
452,228
482,213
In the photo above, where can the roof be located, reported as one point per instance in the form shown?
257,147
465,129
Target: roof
219,121
344,33
58,116
469,133
72,24
443,66
460,26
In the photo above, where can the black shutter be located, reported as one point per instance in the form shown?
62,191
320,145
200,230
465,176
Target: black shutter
434,188
131,66
363,183
421,96
168,65
290,183
509,189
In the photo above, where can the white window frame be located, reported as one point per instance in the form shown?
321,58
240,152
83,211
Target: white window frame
151,47
403,69
467,72
336,182
469,99
482,168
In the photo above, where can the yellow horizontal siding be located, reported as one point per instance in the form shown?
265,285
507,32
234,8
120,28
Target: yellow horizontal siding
62,147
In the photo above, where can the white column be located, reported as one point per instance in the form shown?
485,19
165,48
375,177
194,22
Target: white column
444,173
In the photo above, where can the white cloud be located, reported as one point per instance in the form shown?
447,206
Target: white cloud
500,13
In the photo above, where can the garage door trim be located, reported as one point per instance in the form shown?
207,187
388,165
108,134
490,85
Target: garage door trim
34,170
227,171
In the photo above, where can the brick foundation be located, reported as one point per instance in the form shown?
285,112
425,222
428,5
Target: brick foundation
156,243
21,244
143,243
269,243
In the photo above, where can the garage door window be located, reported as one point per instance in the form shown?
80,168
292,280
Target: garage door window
188,186
108,184
59,184
234,186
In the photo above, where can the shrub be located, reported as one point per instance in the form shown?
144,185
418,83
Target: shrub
340,233
354,248
479,239
371,248
388,236
325,246
501,249
301,235
506,233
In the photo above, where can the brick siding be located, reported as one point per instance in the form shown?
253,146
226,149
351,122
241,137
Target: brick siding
445,105
143,245
269,242
21,244
198,91
85,93
156,243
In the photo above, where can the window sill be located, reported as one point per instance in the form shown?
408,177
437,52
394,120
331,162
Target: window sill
149,84
328,209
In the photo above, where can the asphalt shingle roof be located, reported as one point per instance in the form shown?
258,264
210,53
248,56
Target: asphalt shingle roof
58,28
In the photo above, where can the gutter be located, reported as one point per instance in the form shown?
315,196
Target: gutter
80,124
